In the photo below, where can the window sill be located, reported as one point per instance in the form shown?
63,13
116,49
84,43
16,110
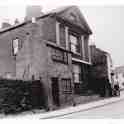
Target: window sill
81,61
75,53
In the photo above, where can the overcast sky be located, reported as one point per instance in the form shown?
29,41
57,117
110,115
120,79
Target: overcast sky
106,22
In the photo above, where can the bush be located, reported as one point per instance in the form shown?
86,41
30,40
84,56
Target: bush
20,95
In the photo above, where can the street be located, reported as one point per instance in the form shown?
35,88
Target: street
113,110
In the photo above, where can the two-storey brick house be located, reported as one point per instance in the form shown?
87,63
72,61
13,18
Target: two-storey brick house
53,48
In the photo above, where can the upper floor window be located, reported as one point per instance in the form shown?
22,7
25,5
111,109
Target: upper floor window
16,45
62,35
74,43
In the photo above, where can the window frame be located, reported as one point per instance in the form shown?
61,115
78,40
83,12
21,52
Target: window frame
66,85
61,25
19,46
77,73
78,37
13,46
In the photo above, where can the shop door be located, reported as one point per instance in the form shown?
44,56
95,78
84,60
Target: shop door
55,91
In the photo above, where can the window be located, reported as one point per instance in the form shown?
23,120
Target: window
66,85
62,36
75,43
76,73
60,56
86,48
16,45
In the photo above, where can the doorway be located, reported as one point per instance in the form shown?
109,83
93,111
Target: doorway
55,91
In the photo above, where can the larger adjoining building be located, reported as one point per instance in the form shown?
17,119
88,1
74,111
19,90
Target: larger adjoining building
53,48
102,73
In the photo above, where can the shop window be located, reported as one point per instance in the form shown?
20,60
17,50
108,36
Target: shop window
77,73
66,85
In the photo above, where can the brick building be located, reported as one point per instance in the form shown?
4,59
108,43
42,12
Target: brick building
102,73
53,48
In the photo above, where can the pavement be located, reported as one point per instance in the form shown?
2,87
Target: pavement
41,114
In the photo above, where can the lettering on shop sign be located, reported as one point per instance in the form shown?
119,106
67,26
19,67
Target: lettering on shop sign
60,56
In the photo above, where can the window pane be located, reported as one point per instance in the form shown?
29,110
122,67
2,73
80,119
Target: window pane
76,68
73,48
66,85
73,39
77,73
15,46
75,45
76,78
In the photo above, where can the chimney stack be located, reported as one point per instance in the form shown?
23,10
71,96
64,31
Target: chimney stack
92,51
33,12
5,24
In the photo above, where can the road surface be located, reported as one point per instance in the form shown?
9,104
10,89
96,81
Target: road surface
114,110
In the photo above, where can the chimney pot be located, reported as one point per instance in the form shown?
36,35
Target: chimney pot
33,20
